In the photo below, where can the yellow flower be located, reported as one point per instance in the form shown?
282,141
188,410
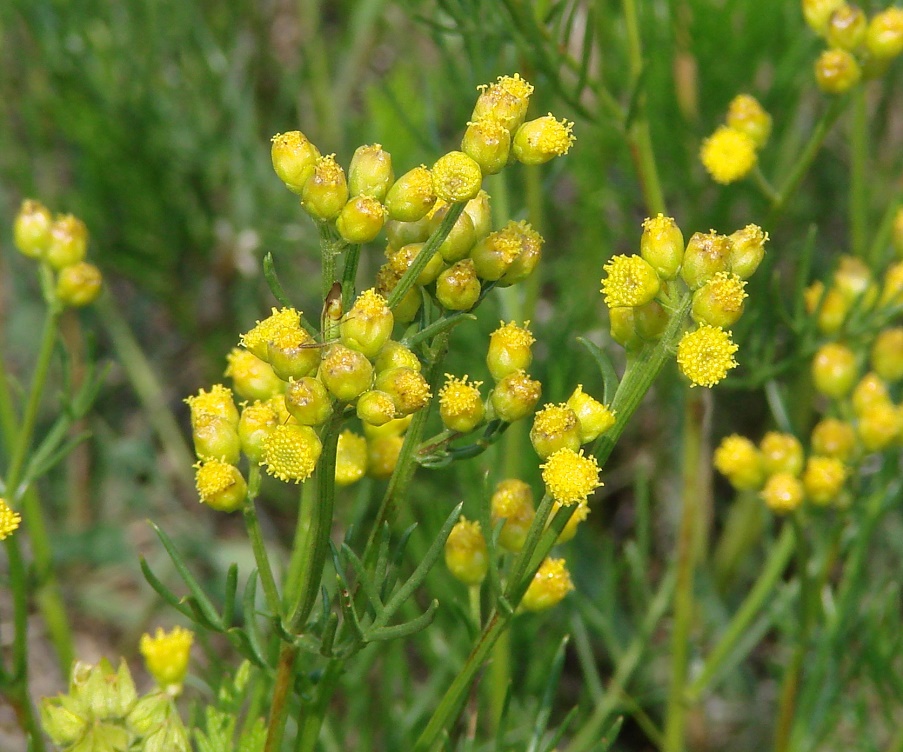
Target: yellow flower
456,177
728,155
555,427
706,355
823,478
570,477
220,485
279,322
783,493
738,459
166,656
290,452
570,529
549,586
745,114
719,301
538,141
631,281
465,552
9,520
460,404
594,417
781,453
217,402
351,458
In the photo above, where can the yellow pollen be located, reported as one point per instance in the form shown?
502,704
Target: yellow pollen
328,171
728,155
370,304
213,477
290,452
727,291
515,85
512,335
218,401
631,281
458,397
570,477
706,355
9,520
277,324
513,499
555,137
554,419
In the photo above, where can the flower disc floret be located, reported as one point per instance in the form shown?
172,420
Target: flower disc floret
456,177
217,402
570,476
538,141
220,485
458,397
631,281
728,155
706,355
9,520
277,323
166,655
290,452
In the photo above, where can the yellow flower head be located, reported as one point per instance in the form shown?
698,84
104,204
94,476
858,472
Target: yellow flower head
217,402
506,101
9,520
550,584
706,355
456,177
537,141
570,477
513,502
465,552
458,397
515,85
745,114
728,155
290,452
738,460
351,458
722,296
823,479
783,493
555,427
781,453
511,335
833,438
166,656
278,323
220,485
631,281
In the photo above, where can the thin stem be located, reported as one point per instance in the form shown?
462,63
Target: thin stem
298,560
858,178
473,601
349,275
311,722
258,545
762,183
285,673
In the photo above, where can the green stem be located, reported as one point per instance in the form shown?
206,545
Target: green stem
298,562
762,183
858,179
638,135
473,601
749,609
349,275
258,545
312,721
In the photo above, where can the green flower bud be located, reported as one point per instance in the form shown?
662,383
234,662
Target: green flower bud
846,28
79,284
465,553
510,349
836,71
402,259
884,36
68,241
252,378
370,172
382,455
887,354
325,192
706,255
346,373
406,309
407,388
220,485
375,408
555,427
294,159
411,196
456,177
257,420
650,320
878,427
368,325
402,233
513,502
31,229
747,250
662,246
538,141
293,355
833,438
871,391
361,219
834,370
515,396
530,254
488,143
551,583
622,327
457,288
480,214
494,255
460,240
781,453
215,437
395,355
307,401
64,719
745,114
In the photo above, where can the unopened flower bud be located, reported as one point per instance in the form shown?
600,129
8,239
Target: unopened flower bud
505,101
745,114
570,527
458,288
783,493
834,370
513,502
216,438
346,373
459,240
252,378
836,71
537,141
256,421
294,159
351,458
166,655
650,320
594,417
525,262
622,327
307,401
488,143
833,438
79,284
738,460
368,325
515,396
781,453
370,172
869,392
31,229
407,388
465,552
68,241
493,255
510,349
555,427
403,258
326,190
878,426
707,254
818,12
551,583
480,214
220,485
823,479
747,250
884,36
361,219
402,233
382,455
887,354
846,27
293,354
375,408
411,196
629,281
719,301
831,306
662,246
395,355
728,155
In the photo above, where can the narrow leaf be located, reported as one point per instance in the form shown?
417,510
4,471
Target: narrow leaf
164,592
404,630
606,368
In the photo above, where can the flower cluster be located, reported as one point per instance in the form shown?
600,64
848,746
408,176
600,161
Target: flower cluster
858,46
60,244
731,152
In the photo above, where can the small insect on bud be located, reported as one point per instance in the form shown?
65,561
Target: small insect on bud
594,417
402,259
510,349
707,254
68,241
361,219
252,378
458,288
662,246
79,284
884,36
738,460
351,458
887,354
257,420
512,501
307,401
370,172
781,453
747,250
216,438
220,485
456,177
407,388
834,370
818,12
878,426
465,552
823,479
728,155
368,325
629,281
488,143
375,408
411,196
382,454
326,190
480,213
847,27
719,301
505,101
460,239
745,114
836,71
833,438
345,372
515,396
31,229
538,141
294,159
551,583
291,452
783,493
555,427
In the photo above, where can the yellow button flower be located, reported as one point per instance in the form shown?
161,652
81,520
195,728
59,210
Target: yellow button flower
630,281
706,355
549,586
728,155
460,404
570,477
9,520
290,452
738,460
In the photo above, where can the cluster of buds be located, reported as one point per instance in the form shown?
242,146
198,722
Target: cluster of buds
858,46
103,711
60,244
641,292
732,151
